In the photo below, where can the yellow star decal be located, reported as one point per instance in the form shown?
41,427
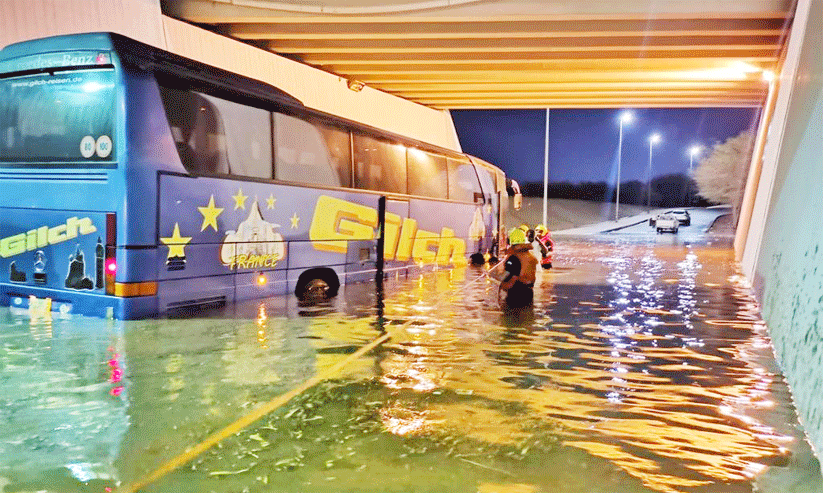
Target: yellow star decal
270,202
294,221
176,243
210,214
239,200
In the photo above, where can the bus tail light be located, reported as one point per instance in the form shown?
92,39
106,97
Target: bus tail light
111,252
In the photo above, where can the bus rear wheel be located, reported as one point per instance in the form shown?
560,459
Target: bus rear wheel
317,284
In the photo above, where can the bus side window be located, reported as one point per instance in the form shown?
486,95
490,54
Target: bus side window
338,143
309,152
428,175
463,184
196,130
245,143
216,136
487,182
379,165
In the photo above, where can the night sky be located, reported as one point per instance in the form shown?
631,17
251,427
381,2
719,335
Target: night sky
583,143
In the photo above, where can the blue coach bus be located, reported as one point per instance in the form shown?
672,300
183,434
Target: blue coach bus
134,182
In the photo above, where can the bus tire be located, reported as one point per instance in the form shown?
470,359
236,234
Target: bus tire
317,284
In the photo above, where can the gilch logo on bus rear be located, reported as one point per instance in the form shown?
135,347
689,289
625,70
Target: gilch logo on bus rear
53,249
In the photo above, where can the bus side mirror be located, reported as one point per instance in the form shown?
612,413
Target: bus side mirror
513,189
517,203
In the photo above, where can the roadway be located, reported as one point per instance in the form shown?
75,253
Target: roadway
637,227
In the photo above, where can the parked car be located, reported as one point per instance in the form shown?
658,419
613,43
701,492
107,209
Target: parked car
682,216
667,222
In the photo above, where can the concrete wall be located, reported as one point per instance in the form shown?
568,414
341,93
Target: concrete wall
142,20
784,249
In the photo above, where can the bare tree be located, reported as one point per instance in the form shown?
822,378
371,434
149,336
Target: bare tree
721,176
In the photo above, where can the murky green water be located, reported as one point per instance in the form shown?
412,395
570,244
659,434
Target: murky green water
641,368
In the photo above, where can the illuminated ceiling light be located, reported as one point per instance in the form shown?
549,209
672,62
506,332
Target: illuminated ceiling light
737,70
744,67
768,75
355,85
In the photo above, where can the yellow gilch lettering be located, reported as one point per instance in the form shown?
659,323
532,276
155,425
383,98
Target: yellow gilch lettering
451,250
336,221
13,245
44,236
423,244
407,234
392,235
31,240
58,234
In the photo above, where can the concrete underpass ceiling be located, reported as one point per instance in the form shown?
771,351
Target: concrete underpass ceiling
460,54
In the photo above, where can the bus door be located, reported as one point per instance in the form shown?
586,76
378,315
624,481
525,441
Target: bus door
501,234
491,205
397,212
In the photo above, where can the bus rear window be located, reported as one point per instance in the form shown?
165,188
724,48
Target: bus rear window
65,117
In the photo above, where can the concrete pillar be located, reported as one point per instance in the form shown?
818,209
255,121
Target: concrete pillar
783,255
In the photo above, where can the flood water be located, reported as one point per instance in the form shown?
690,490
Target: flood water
643,367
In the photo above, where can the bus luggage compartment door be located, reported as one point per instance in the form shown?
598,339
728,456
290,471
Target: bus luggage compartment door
361,256
45,250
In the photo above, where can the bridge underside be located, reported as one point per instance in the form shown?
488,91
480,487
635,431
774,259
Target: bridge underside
456,54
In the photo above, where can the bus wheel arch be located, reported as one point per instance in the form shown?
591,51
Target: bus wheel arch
318,283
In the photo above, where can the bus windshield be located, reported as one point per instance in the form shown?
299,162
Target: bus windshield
63,117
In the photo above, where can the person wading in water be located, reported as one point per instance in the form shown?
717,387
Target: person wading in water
520,269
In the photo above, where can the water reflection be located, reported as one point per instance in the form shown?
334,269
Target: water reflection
639,368
63,407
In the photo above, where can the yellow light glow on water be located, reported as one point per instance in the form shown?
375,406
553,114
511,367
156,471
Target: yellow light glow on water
506,488
403,421
261,326
410,371
39,308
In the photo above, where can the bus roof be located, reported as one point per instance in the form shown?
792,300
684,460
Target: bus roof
72,51
67,51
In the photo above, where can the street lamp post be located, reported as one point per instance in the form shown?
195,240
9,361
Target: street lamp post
693,151
653,139
625,117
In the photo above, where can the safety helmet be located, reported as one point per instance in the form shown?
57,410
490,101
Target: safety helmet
540,229
524,227
517,237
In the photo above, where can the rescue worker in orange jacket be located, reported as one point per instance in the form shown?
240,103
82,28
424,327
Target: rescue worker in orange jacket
521,270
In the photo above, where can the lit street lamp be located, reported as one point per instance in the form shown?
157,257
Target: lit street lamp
653,139
625,117
693,151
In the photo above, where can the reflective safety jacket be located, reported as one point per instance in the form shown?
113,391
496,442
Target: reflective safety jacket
528,264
